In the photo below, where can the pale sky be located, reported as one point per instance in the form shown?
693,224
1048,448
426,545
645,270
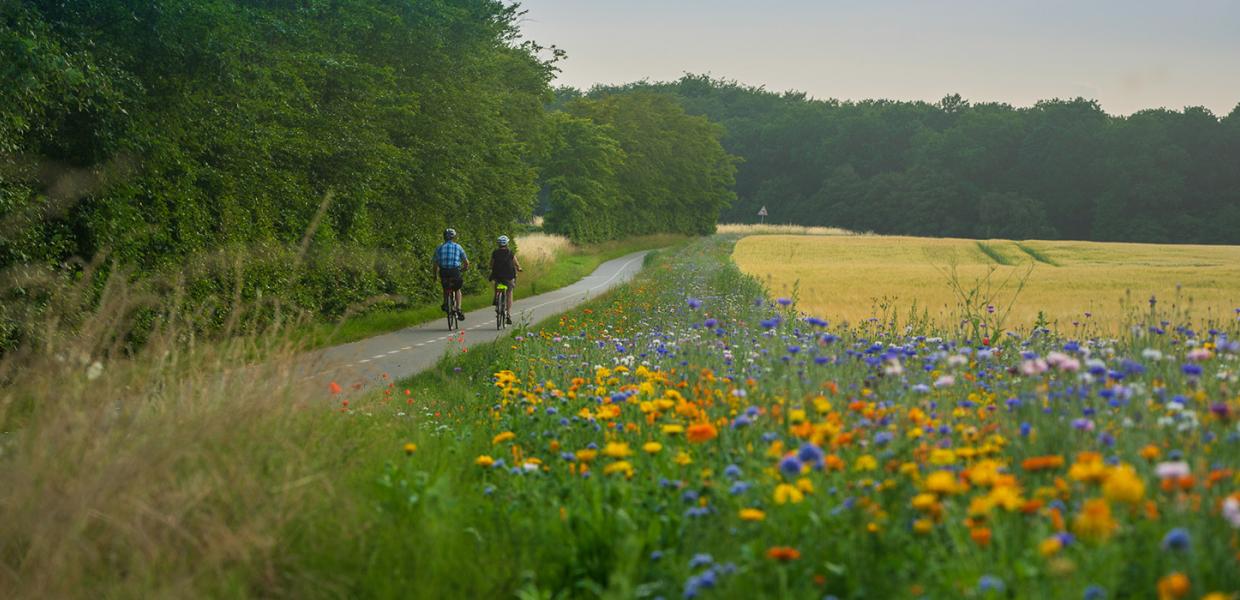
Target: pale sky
1127,54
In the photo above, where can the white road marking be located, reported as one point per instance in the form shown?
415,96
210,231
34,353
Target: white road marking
363,361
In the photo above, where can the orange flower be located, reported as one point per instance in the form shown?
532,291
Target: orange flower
980,536
701,432
783,553
334,387
1042,463
1175,585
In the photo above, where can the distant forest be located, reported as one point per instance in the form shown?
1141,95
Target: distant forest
1061,169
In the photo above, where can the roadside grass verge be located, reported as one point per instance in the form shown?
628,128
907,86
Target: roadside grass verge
550,270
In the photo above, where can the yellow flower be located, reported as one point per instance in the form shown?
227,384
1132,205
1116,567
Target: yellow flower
503,437
985,472
942,456
1050,546
942,482
865,463
1095,521
673,429
805,485
785,493
410,448
1088,467
620,466
752,514
1005,496
652,447
617,450
925,502
1123,485
586,455
979,506
484,461
683,458
923,526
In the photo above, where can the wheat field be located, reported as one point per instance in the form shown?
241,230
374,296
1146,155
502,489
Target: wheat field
1073,284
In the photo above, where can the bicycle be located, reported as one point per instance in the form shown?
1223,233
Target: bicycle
502,294
453,322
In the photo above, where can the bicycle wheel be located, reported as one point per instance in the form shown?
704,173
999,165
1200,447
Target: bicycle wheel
452,312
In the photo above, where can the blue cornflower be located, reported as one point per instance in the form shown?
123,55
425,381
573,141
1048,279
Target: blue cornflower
790,466
990,583
1176,539
701,560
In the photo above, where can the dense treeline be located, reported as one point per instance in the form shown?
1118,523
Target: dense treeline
634,163
206,137
1062,169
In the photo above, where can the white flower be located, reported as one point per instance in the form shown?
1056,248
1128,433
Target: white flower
1167,470
957,360
944,381
893,367
1231,511
94,371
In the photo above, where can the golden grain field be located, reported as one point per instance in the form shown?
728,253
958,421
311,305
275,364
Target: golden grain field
852,277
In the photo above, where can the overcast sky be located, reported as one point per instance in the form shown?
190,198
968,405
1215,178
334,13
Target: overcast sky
1128,55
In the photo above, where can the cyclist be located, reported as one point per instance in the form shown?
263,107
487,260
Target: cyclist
504,267
448,262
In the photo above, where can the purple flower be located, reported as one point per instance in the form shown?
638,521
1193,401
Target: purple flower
784,301
694,303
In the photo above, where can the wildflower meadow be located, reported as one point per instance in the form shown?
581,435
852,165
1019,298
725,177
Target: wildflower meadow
688,437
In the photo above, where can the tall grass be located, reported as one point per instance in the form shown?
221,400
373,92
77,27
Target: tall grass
169,471
541,247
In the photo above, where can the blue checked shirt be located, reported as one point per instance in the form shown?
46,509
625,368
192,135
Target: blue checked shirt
449,255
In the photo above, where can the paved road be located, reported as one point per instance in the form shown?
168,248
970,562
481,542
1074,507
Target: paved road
362,364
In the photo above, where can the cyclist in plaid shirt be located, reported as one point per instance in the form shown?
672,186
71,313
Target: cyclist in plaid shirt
448,262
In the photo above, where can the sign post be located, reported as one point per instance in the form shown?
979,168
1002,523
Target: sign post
762,213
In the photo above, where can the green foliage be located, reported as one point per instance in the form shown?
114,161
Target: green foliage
165,132
1061,169
634,163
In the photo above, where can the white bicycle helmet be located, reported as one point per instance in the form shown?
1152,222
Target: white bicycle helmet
449,233
503,240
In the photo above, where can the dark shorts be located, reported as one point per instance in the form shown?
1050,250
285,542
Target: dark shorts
451,279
